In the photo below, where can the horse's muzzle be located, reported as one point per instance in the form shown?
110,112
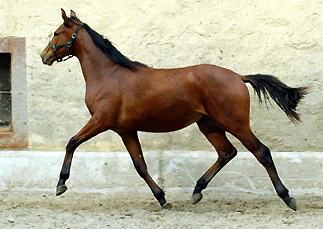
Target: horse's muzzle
47,58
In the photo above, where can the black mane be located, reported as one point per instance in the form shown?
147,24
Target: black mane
110,51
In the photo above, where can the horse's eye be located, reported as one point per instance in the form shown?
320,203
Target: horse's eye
56,34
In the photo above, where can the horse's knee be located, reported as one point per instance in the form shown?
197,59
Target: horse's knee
71,145
232,154
225,157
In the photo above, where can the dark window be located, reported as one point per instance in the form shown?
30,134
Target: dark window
5,91
13,93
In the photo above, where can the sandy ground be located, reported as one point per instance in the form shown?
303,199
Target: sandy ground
136,208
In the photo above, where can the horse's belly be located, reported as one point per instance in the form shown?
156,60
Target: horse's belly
165,126
160,123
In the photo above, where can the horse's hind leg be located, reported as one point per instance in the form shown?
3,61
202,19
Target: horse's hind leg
263,155
224,148
132,144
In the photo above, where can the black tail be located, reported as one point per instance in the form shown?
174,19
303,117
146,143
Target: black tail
285,97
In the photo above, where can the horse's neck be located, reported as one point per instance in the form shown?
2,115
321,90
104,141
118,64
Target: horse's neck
94,63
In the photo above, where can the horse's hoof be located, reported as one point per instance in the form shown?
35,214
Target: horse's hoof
196,198
292,204
60,189
167,206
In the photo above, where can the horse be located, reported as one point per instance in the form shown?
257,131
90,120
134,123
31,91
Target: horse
126,96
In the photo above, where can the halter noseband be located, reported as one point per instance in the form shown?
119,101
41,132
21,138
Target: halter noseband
68,45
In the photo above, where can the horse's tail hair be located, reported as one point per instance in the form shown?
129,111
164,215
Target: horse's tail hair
285,97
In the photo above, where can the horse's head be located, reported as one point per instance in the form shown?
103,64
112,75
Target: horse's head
61,44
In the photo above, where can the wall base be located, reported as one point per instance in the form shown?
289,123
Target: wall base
301,172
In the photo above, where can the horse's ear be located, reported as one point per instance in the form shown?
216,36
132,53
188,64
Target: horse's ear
73,14
65,18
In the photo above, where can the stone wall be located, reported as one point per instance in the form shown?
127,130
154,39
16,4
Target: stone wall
282,38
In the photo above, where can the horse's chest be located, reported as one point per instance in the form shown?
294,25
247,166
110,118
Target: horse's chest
98,102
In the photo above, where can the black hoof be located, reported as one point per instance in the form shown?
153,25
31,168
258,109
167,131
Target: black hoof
167,206
196,198
60,189
292,204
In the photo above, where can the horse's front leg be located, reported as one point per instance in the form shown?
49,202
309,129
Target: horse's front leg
91,129
132,144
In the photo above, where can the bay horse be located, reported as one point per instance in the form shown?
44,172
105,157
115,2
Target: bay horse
127,96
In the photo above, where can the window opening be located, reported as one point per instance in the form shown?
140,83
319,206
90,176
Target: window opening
5,92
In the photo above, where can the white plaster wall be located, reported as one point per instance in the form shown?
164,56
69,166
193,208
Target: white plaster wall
282,38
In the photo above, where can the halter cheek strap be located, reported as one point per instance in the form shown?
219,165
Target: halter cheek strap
68,45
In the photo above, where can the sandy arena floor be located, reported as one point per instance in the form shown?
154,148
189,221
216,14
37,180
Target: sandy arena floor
138,209
135,208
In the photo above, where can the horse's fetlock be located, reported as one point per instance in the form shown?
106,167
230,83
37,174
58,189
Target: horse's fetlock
201,183
64,176
282,192
159,194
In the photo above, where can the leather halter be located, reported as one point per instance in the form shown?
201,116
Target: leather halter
68,45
